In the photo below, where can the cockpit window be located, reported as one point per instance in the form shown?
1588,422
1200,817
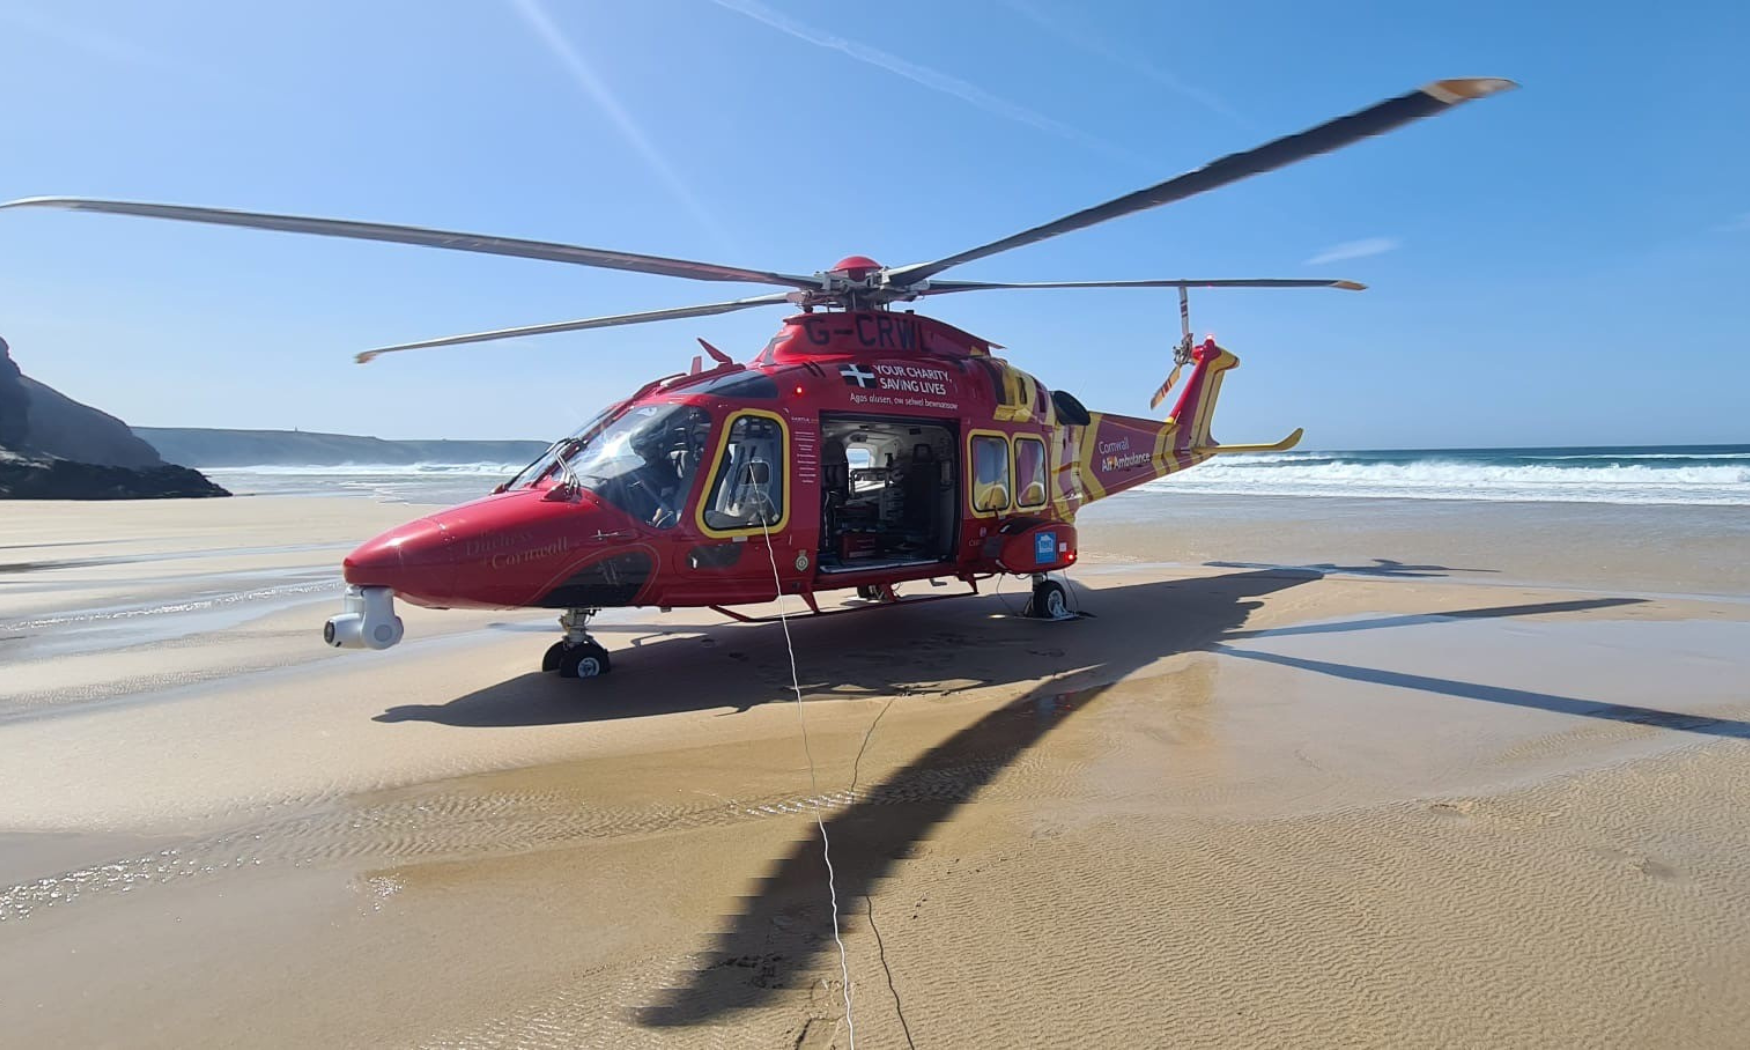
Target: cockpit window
644,461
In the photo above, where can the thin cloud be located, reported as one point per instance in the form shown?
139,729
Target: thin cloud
924,76
1355,250
1065,29
536,16
99,45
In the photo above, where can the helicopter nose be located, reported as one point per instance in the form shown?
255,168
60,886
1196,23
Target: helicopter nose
414,559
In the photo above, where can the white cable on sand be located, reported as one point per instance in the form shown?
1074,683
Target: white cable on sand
814,787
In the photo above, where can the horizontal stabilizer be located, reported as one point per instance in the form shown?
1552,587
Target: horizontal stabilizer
1281,446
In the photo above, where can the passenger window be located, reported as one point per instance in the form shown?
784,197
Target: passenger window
748,491
990,473
1029,473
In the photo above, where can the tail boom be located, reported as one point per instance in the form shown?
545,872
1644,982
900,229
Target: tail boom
1116,452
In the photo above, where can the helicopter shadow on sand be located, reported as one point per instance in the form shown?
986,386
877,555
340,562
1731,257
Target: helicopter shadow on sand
926,649
780,933
1387,567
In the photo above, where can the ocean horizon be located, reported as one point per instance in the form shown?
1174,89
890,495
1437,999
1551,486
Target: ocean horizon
1695,475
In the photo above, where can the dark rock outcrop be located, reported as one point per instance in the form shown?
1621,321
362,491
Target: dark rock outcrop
52,447
32,477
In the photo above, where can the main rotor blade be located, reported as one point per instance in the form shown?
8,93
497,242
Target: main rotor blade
577,326
1374,120
465,242
939,287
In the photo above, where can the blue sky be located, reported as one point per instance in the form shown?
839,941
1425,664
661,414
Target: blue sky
1560,265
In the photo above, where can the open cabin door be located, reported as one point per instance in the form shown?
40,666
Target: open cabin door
889,492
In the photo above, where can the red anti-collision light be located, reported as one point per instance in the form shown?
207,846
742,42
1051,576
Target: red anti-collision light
856,267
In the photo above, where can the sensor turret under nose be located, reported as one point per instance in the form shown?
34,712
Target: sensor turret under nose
367,622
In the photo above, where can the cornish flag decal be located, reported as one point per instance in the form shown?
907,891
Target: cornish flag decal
857,375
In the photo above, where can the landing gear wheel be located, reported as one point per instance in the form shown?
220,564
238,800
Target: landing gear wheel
1050,601
555,653
588,660
869,592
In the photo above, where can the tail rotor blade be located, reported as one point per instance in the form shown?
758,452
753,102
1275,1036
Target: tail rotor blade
1166,388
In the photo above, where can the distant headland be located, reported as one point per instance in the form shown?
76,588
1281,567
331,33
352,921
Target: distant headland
255,448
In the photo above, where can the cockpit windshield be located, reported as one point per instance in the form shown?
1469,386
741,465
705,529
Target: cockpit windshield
642,462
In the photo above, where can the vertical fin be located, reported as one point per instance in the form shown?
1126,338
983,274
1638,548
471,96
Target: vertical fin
1196,407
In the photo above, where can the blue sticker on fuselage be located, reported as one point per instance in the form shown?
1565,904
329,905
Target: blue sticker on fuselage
1045,548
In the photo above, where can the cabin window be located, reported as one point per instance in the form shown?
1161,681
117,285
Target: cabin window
990,473
1029,473
748,491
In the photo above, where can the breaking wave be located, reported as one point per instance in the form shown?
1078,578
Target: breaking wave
1717,476
370,469
1697,475
409,482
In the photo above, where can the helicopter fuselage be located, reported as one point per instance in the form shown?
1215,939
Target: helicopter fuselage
858,449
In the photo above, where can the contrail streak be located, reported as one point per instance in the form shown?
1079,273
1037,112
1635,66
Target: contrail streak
924,76
536,16
1355,250
1063,29
98,44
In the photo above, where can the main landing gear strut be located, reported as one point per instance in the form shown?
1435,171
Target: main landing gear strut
1050,600
577,655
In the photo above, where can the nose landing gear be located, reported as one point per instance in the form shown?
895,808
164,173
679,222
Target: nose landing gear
577,655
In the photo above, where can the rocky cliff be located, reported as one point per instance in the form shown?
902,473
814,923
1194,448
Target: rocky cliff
14,402
52,447
64,428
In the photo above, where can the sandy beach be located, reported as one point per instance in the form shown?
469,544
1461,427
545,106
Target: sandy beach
1311,772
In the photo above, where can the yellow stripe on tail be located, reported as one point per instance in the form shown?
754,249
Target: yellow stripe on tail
1281,446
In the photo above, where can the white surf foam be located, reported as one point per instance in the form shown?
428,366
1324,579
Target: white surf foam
1593,477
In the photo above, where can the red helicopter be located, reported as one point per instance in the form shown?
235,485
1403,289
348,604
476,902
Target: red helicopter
862,448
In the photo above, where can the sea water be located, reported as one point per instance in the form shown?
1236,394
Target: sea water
1701,475
438,483
1705,475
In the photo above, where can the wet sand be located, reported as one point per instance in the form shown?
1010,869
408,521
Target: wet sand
1370,774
